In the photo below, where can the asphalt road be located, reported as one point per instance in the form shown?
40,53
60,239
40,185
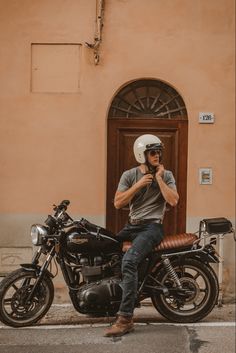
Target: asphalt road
147,338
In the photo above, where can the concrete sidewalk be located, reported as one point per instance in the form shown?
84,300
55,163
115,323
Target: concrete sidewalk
65,314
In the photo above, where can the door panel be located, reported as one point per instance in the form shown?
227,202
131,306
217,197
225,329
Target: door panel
121,136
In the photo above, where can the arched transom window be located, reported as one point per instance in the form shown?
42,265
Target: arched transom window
148,98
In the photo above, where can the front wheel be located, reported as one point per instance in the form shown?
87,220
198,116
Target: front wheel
202,289
14,289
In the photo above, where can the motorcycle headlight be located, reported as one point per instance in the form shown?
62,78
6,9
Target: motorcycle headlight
37,233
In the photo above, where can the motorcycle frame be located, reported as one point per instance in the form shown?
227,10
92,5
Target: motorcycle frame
54,247
205,253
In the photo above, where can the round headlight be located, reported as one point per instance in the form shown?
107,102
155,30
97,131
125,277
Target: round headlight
37,233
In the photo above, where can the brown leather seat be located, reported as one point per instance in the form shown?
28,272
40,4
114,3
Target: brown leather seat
170,242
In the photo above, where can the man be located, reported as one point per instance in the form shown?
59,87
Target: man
146,188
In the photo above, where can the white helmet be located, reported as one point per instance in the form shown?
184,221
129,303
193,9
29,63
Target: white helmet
145,143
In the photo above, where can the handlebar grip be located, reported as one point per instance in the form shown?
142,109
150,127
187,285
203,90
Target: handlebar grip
65,203
62,206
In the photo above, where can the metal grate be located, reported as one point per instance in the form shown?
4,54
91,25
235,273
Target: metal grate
148,98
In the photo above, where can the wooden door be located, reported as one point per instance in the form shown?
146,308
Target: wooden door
122,133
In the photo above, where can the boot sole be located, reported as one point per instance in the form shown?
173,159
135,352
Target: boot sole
119,334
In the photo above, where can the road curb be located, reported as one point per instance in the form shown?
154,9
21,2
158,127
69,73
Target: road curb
65,314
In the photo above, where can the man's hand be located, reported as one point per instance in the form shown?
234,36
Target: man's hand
160,171
145,180
170,195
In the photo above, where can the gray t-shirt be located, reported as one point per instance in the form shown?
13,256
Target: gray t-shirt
147,202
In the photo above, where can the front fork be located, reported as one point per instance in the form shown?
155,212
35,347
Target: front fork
36,256
42,269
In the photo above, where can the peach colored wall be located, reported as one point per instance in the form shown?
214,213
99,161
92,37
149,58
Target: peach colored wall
186,43
53,145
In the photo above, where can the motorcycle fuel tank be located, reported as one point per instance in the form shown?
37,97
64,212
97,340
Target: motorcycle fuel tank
81,241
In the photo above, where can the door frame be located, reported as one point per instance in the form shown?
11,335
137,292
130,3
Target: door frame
116,124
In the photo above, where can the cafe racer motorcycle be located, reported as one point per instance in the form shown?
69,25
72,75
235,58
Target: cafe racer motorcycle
177,275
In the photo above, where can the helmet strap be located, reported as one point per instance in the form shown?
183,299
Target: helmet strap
151,169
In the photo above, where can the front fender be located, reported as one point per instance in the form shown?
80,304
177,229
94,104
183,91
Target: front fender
35,268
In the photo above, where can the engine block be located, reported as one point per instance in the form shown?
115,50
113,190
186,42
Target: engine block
101,296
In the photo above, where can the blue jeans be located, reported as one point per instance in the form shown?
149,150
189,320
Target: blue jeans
144,238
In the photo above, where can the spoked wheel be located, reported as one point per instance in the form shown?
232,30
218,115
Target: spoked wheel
15,310
200,293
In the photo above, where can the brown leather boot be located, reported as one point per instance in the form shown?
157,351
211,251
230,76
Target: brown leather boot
121,326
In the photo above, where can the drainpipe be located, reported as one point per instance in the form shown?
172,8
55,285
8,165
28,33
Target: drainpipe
100,4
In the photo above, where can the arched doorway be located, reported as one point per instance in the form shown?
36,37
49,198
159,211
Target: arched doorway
141,107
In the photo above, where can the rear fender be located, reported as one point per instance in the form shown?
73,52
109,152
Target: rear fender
204,255
207,255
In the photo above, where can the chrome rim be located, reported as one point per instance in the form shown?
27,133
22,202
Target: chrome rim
14,303
196,282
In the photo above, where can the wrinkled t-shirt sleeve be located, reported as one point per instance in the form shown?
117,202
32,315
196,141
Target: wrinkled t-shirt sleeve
124,183
170,180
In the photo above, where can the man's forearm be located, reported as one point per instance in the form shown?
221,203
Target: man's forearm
171,196
123,198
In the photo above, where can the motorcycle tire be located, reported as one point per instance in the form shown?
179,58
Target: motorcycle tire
14,288
199,278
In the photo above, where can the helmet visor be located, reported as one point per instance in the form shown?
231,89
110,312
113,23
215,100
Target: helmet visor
154,146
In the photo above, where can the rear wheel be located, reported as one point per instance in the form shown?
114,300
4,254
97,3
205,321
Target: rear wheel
14,289
202,291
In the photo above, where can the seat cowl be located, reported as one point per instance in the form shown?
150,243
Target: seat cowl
170,242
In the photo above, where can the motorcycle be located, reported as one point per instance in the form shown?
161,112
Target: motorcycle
177,275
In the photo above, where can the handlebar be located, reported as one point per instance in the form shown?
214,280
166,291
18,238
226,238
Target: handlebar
62,206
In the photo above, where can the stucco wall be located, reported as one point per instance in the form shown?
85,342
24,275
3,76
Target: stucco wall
53,145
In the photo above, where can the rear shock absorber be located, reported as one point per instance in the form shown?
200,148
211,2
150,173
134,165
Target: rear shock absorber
169,269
